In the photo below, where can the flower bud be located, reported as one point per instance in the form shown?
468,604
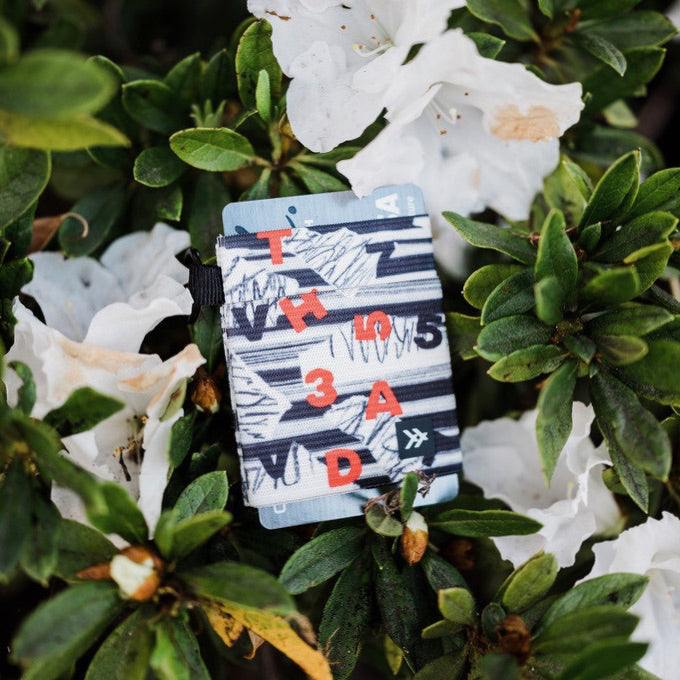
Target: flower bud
514,637
414,539
206,394
138,572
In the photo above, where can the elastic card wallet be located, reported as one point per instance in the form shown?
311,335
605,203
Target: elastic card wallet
337,352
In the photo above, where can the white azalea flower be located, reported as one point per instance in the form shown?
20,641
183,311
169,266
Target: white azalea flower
472,132
501,456
131,446
342,55
114,303
652,549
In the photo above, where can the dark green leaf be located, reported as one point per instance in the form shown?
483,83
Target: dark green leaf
634,430
515,295
553,423
619,350
208,492
655,376
655,191
180,439
610,287
481,283
547,7
630,319
101,209
549,300
463,331
440,629
205,219
613,189
346,616
613,589
439,573
601,49
643,63
206,332
62,629
26,393
650,263
168,202
449,666
382,522
176,654
485,523
164,532
193,532
212,149
15,518
39,556
317,181
495,666
581,346
492,617
525,364
239,584
637,29
23,177
590,236
19,234
568,189
83,409
254,53
54,84
125,653
510,15
632,478
260,189
80,546
14,275
122,517
457,605
487,45
509,334
602,659
529,583
407,495
183,78
157,166
154,105
601,9
218,78
490,236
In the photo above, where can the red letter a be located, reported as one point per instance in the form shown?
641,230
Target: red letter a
375,406
335,477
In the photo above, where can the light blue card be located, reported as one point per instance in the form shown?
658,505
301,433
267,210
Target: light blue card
317,209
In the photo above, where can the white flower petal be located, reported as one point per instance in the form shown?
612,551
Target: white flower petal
501,457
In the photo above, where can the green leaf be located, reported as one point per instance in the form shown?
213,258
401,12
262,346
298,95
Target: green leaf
346,616
440,629
407,495
634,430
650,263
39,556
15,519
495,666
176,654
154,105
184,78
492,617
623,590
193,532
449,666
382,522
481,283
26,393
263,96
618,114
260,189
553,423
601,49
643,64
549,300
239,584
204,220
158,166
640,232
619,350
568,189
19,234
254,53
463,331
212,149
63,628
602,659
529,583
526,364
218,79
575,631
602,9
610,287
169,202
101,209
206,332
502,239
78,547
580,346
630,319
655,191
632,478
58,135
487,45
439,573
321,558
23,177
122,517
15,275
650,377
83,409
638,29
509,334
590,236
515,295
180,439
317,181
208,492
9,42
125,653
457,605
164,532
484,523
613,189
54,84
510,15
547,7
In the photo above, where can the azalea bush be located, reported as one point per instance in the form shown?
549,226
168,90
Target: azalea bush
539,134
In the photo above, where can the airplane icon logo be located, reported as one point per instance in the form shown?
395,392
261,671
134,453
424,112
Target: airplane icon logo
415,438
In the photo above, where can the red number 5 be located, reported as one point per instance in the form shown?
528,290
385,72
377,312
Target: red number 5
328,394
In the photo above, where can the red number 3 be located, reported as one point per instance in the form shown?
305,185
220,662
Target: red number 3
328,394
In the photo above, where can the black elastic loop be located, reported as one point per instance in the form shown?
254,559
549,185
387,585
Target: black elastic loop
205,282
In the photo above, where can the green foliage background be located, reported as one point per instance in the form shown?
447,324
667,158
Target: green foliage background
181,110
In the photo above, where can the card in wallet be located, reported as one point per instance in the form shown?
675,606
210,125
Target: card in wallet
338,359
